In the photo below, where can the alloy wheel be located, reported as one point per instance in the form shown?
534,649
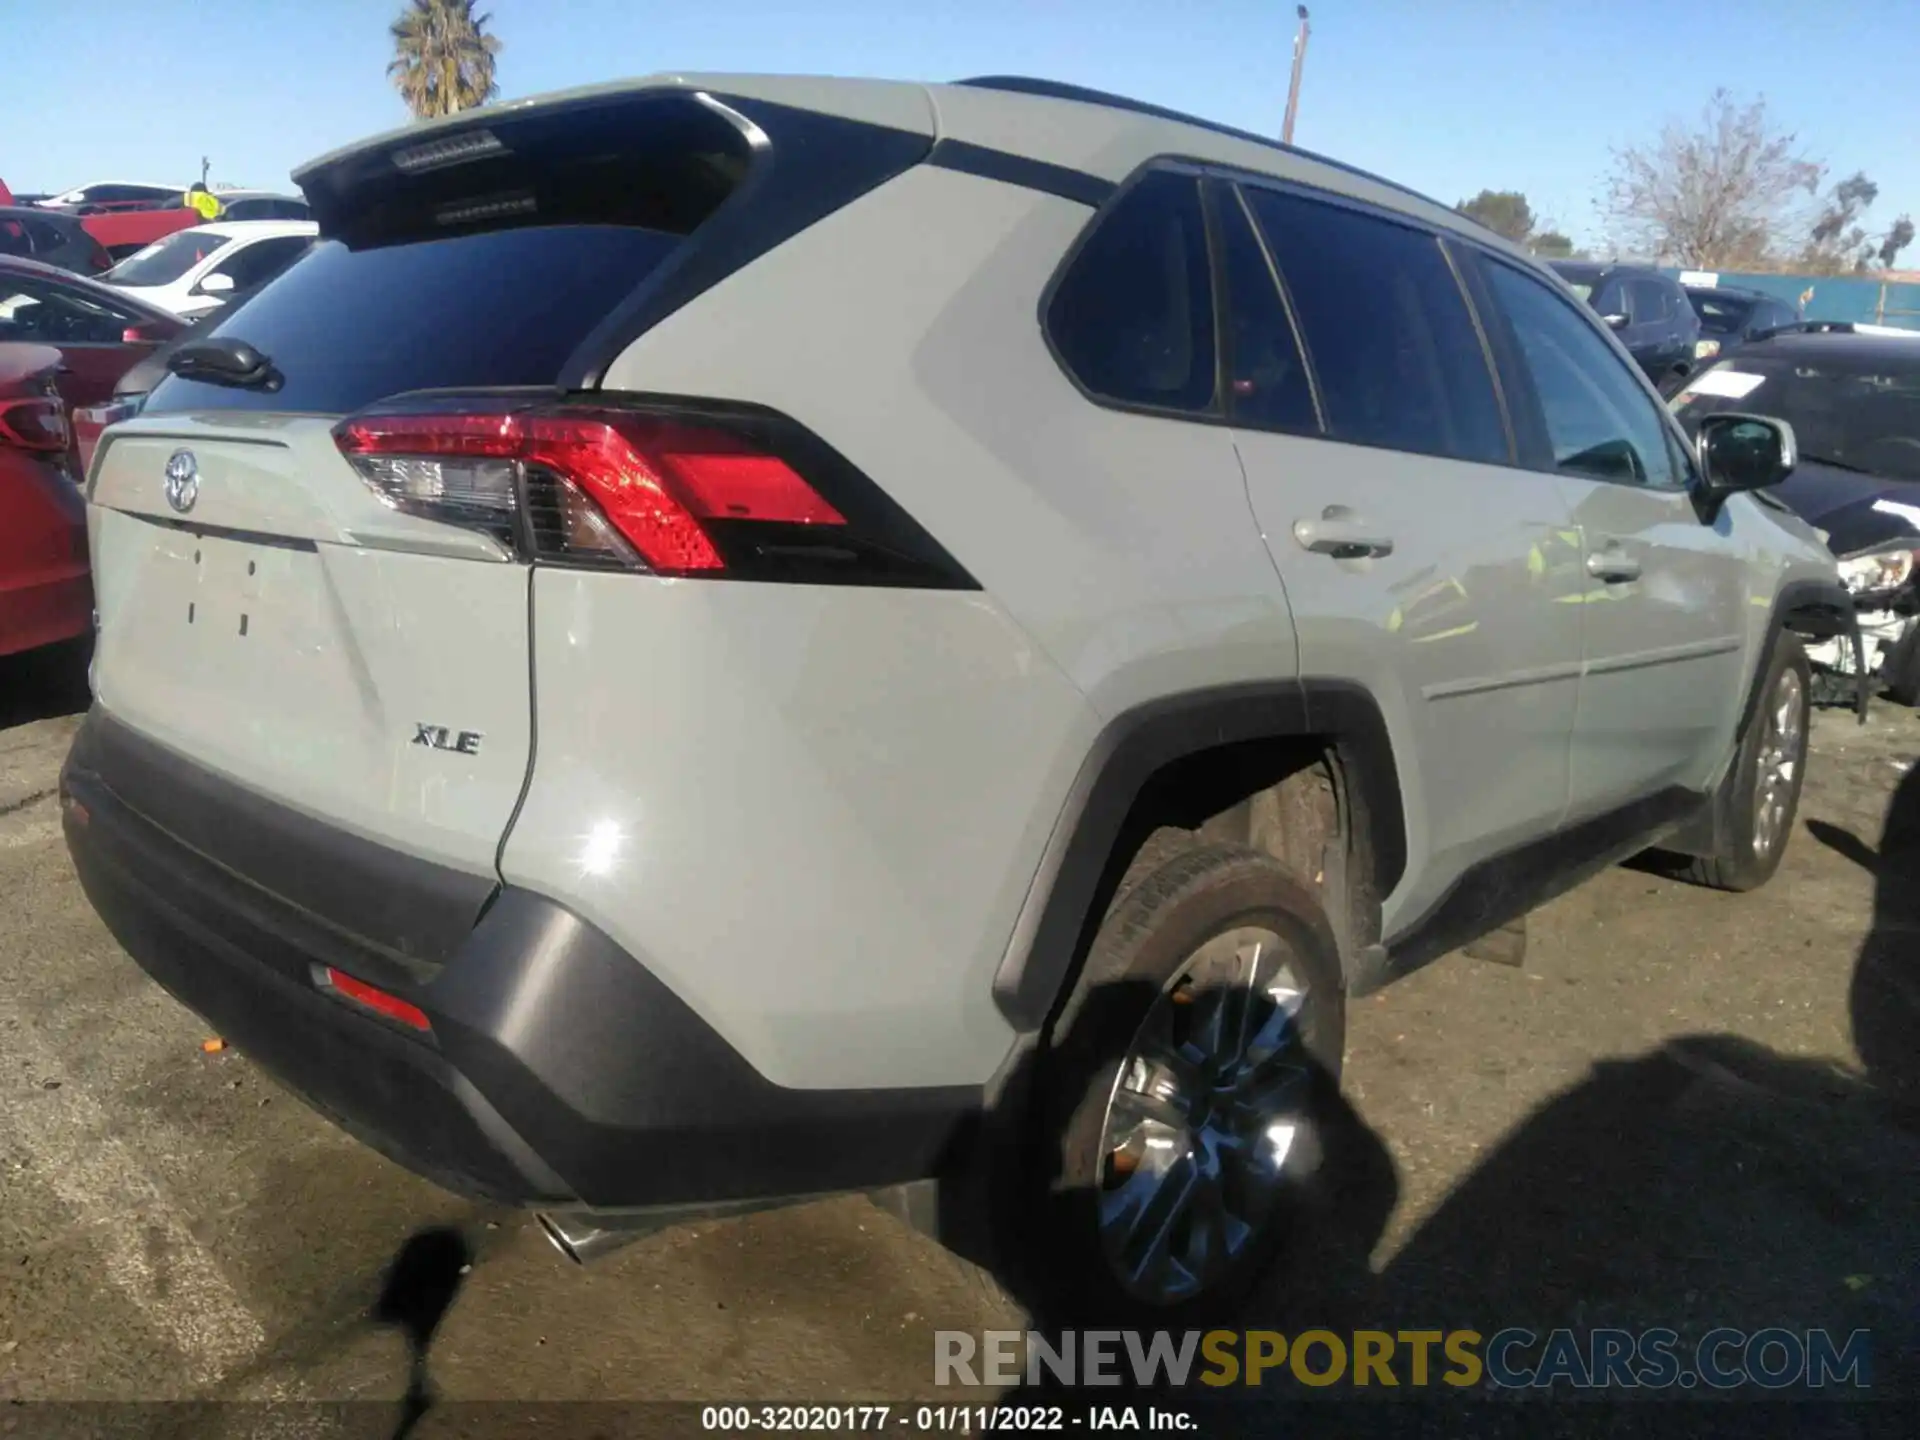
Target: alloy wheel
1208,1118
1781,742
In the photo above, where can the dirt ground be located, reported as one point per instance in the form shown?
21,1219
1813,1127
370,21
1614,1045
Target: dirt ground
1683,1110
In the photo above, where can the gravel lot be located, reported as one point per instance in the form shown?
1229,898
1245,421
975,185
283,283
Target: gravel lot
1684,1109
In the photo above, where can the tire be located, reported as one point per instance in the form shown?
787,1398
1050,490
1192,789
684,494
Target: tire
1756,835
1174,962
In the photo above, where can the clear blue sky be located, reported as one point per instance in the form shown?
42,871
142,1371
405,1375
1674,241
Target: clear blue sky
1446,97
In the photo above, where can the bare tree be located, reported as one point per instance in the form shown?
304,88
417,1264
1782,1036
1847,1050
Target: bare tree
1714,194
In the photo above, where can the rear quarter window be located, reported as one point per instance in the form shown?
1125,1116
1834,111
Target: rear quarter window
1131,317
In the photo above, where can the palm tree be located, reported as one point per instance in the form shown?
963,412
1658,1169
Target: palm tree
442,57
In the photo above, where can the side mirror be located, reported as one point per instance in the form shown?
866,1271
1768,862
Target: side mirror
1615,322
1743,452
215,285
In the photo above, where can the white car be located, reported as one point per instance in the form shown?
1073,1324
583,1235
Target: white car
191,272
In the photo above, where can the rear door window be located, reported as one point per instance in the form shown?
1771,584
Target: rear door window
1388,333
484,261
1267,381
1132,316
1646,301
259,262
38,311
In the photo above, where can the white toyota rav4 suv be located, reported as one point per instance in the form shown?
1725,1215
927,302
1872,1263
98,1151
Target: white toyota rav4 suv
725,639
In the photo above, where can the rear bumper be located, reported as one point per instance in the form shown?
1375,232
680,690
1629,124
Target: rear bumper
557,1072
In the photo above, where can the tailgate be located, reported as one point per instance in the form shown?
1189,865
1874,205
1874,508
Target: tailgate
263,613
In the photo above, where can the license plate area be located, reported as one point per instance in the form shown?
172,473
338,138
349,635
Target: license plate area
229,589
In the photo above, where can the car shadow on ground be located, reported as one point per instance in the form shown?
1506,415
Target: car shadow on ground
44,684
1707,1183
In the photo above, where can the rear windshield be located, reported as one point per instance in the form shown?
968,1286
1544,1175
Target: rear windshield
1720,314
489,268
165,261
506,308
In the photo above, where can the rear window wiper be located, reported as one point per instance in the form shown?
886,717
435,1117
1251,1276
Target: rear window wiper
223,360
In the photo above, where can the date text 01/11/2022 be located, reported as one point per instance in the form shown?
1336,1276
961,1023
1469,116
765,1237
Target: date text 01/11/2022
939,1419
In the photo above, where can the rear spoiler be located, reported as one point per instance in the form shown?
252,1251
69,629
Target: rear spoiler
1808,327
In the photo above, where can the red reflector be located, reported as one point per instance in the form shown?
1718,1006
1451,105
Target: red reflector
379,1001
655,480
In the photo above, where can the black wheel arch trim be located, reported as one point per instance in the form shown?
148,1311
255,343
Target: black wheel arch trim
1820,610
1055,922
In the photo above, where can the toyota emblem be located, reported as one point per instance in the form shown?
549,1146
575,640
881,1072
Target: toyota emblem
183,480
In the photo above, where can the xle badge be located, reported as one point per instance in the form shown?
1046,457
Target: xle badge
439,737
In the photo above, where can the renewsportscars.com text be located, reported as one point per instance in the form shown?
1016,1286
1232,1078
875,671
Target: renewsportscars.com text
1511,1358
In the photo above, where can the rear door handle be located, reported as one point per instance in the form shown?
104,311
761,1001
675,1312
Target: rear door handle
1342,534
1613,565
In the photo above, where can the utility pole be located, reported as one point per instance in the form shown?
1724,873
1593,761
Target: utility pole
204,167
1293,89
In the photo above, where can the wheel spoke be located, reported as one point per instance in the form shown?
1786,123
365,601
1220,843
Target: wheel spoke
1277,1032
1137,1105
1214,1233
1149,1208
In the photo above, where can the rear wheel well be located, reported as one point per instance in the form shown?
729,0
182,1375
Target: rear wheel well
1296,798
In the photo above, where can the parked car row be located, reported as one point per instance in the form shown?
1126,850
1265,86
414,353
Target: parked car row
1671,329
124,217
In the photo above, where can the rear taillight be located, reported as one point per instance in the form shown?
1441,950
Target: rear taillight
37,423
690,492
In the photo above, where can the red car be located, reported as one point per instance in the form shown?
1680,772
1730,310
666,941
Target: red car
46,593
128,230
100,331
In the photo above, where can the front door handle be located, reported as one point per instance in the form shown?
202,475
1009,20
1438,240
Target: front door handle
1613,565
1342,534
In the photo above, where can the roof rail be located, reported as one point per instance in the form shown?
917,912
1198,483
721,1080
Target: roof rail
1060,90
